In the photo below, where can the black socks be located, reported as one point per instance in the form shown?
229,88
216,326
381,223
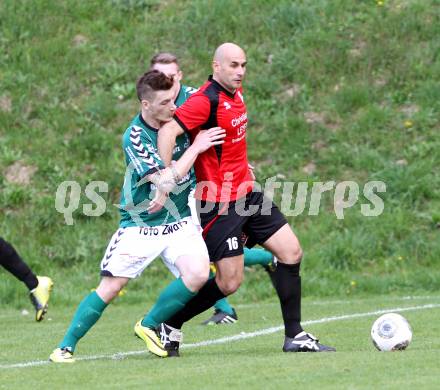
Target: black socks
16,266
287,283
207,296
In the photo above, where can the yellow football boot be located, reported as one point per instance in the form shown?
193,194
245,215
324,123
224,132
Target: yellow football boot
40,296
151,338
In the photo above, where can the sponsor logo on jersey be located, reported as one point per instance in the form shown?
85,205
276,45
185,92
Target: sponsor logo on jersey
162,230
237,121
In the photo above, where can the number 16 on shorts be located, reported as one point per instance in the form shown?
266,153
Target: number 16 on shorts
232,243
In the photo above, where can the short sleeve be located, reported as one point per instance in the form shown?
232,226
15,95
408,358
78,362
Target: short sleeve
141,154
193,113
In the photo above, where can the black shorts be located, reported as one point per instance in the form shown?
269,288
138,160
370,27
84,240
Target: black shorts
227,227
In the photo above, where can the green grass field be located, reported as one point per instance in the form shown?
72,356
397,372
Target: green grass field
244,355
339,90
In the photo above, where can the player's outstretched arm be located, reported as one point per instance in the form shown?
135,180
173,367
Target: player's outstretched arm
203,141
166,139
166,179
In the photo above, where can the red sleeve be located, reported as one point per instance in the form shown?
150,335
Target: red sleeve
193,113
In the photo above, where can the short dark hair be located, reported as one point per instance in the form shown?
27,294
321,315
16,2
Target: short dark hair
151,81
164,58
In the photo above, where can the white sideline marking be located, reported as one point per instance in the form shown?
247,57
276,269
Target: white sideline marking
222,340
345,301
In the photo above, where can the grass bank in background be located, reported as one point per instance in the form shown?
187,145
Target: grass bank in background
336,91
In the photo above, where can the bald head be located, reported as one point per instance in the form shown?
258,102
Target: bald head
229,66
226,50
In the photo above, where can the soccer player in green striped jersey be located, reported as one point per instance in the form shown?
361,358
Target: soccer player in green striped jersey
145,233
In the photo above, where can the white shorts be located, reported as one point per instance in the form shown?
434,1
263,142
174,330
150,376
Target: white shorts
192,206
132,249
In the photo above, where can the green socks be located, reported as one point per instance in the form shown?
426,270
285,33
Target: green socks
223,305
170,301
257,256
88,312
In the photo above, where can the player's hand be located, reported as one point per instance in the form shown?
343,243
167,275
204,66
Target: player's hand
251,172
207,138
158,201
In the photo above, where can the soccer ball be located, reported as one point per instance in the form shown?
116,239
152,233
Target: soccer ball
391,332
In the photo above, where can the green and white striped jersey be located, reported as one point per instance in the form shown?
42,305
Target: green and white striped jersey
141,156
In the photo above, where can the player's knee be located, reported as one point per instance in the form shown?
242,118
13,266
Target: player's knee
292,254
196,276
297,254
228,287
231,287
198,279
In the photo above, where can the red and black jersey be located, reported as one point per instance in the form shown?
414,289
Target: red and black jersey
222,171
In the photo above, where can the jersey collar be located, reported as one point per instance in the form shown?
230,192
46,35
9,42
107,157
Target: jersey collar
220,87
146,124
178,95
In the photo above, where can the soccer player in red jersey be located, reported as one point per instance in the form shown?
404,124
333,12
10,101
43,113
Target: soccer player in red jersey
224,313
229,205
